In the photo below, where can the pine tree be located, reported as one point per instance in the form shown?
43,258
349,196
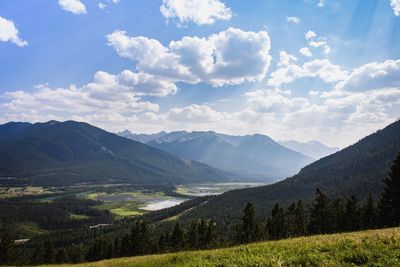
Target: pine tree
141,239
202,230
389,203
300,219
192,235
337,210
177,237
368,214
291,224
50,253
352,214
211,234
276,223
249,229
61,256
6,242
319,214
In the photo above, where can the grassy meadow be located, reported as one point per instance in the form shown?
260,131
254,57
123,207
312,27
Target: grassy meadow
365,248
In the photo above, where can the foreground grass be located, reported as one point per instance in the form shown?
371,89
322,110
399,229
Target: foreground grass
367,248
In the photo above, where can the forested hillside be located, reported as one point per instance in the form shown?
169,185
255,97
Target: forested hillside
357,169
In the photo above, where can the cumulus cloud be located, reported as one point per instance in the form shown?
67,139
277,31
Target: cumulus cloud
107,99
321,68
9,33
315,41
294,20
229,57
373,76
396,7
197,11
309,35
285,59
73,6
102,5
305,51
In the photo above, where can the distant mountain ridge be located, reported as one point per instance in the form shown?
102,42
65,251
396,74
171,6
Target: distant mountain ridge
253,156
74,152
312,149
358,169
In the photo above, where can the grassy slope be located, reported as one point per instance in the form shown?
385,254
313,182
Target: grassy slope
367,248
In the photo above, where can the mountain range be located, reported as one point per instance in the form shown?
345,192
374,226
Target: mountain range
358,169
312,149
253,156
70,152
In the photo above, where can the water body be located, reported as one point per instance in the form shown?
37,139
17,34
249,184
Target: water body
197,190
162,204
207,189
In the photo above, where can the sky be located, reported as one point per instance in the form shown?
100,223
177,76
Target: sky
326,70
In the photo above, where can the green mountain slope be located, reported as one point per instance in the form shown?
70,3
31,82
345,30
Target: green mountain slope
366,248
73,152
358,169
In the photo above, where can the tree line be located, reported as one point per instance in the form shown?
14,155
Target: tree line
323,215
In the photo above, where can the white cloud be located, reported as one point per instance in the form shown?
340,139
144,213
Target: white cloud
321,68
315,41
8,32
197,11
294,20
194,114
285,59
310,34
229,57
373,76
102,5
321,3
106,100
305,51
73,6
396,7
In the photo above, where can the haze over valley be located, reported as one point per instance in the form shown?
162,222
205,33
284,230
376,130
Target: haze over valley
199,133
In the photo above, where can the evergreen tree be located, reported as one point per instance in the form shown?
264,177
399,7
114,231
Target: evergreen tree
352,214
202,233
177,237
50,253
211,234
337,210
389,203
291,227
319,222
249,229
300,219
276,223
141,238
295,225
368,214
6,242
61,256
192,235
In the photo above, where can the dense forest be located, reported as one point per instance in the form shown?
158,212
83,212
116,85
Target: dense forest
319,216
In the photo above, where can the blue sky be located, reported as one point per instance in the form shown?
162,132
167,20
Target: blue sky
305,69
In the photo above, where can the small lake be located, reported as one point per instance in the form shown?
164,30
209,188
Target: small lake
207,189
162,204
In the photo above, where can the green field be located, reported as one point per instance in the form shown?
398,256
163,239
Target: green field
367,248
